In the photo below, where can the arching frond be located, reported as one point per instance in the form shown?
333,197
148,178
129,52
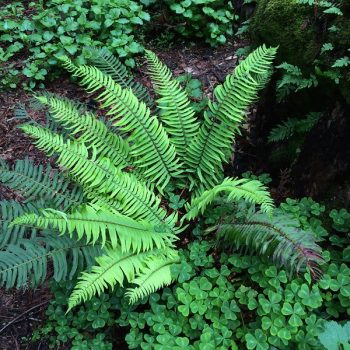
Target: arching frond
150,145
155,275
9,210
137,200
111,269
27,261
93,132
107,63
252,191
279,238
176,111
36,182
95,224
207,150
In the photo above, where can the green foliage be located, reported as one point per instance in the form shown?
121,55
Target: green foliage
124,169
110,65
293,80
57,27
279,238
290,135
89,328
193,88
9,211
292,126
263,178
207,19
213,143
226,300
341,220
335,336
34,182
235,189
27,260
176,112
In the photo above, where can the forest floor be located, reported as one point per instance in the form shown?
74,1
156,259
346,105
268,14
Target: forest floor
23,311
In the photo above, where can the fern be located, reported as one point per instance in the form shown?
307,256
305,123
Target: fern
251,190
208,151
291,126
150,146
155,275
278,237
9,210
111,269
98,174
176,111
95,224
110,65
91,131
123,171
35,182
28,259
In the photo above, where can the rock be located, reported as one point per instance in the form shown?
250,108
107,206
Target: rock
289,25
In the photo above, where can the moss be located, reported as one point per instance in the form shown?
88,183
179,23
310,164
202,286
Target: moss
289,25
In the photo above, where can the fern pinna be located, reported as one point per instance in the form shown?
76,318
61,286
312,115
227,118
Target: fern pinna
115,177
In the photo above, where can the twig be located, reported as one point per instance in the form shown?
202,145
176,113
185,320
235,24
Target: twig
22,314
15,341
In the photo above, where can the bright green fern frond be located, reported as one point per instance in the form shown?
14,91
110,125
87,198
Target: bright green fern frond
137,200
278,237
252,191
35,182
207,151
95,224
154,275
176,111
151,149
92,131
111,269
27,261
107,63
240,88
9,210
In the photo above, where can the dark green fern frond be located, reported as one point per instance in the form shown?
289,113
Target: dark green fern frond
21,112
36,182
113,268
154,275
9,210
107,63
253,191
92,131
27,261
292,126
207,152
151,149
94,224
137,200
176,111
279,238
